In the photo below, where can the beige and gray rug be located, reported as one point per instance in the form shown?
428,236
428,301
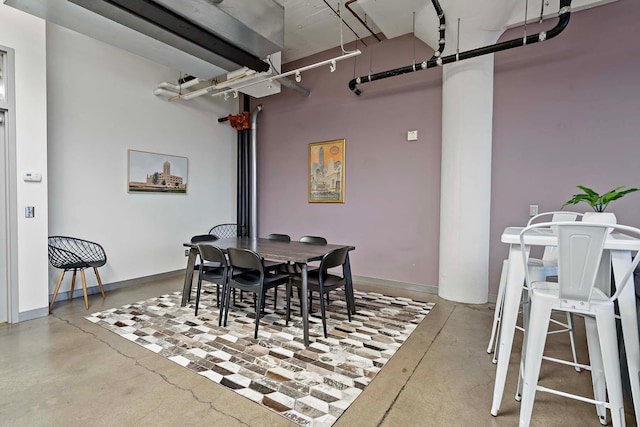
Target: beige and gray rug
310,386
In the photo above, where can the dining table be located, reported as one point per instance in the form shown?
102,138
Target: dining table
617,255
295,252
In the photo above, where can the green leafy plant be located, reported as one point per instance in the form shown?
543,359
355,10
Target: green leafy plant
598,202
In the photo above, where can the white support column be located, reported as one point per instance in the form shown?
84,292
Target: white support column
467,116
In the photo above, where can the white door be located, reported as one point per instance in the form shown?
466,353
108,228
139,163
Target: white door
4,277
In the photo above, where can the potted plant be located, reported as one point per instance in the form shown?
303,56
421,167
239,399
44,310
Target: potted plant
598,202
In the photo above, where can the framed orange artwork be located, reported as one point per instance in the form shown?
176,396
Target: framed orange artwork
326,172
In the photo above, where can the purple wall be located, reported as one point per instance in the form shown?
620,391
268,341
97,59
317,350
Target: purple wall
391,209
566,112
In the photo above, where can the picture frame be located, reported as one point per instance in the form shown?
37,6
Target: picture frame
149,172
326,171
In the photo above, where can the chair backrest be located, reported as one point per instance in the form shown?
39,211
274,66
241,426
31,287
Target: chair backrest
550,253
245,259
279,237
580,248
335,258
314,240
225,231
212,254
203,238
64,250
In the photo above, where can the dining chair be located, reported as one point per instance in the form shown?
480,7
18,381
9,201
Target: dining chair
225,231
252,278
278,266
71,253
323,282
540,269
214,269
312,240
580,249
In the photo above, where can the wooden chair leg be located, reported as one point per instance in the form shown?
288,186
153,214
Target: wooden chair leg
84,289
55,292
73,284
95,269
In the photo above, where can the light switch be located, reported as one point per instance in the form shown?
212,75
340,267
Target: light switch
29,212
32,176
412,135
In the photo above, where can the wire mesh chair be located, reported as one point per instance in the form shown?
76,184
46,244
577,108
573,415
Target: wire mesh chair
70,253
225,231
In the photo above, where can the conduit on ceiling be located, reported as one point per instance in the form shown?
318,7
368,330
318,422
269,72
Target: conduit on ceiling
437,60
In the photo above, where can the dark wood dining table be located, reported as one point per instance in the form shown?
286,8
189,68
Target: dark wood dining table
295,252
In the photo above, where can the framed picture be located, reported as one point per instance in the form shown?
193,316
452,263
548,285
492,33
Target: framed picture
156,173
326,172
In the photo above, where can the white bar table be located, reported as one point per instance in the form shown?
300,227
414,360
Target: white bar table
619,247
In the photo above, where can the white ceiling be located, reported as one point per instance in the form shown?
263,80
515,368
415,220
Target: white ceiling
311,26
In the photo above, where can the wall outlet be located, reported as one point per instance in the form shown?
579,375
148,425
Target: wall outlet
186,252
29,212
533,210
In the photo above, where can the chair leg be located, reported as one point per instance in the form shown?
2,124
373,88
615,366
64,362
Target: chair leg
536,336
198,289
227,303
260,296
323,313
346,296
605,321
95,269
498,311
84,289
275,297
217,294
289,292
597,369
73,284
55,292
572,339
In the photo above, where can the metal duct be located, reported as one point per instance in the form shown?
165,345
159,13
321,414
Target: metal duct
202,38
253,229
564,15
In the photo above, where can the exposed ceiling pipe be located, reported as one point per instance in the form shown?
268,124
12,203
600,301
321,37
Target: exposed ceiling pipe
564,15
348,26
360,19
253,156
294,86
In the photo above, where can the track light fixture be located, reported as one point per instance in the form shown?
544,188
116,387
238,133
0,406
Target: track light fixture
298,77
332,67
226,96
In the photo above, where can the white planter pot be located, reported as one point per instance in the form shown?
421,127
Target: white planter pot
600,218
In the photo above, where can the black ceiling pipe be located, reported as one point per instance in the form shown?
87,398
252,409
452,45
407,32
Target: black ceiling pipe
564,14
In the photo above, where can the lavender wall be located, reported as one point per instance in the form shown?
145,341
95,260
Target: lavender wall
391,209
567,112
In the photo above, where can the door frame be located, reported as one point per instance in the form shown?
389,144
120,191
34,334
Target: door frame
8,108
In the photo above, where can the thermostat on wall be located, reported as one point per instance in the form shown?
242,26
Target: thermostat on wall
32,176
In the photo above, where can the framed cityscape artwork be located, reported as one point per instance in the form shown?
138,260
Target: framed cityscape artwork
156,173
326,172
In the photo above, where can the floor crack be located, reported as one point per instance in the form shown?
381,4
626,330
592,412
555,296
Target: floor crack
393,402
162,376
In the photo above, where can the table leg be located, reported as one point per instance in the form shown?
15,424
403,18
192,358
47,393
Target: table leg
188,276
512,296
349,290
621,261
305,310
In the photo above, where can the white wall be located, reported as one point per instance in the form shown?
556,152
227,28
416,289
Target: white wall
100,105
26,34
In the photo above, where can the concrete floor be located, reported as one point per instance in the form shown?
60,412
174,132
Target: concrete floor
65,371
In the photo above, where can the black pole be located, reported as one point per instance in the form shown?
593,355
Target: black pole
564,15
239,184
247,164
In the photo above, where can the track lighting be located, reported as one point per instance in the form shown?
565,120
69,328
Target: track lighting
235,93
298,77
332,67
226,96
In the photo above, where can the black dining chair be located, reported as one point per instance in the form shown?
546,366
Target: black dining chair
278,266
253,278
225,231
70,253
313,240
213,269
323,282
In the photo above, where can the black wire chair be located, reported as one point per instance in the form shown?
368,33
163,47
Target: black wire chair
70,253
225,231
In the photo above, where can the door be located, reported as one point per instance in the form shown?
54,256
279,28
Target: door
8,191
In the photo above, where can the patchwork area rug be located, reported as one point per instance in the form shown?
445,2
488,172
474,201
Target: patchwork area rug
310,386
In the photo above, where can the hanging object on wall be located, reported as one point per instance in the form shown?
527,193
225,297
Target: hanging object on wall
437,59
239,121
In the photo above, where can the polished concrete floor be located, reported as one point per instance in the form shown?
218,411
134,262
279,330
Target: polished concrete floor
65,371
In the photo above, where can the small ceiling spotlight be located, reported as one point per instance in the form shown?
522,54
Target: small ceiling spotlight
332,67
235,93
225,96
298,77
